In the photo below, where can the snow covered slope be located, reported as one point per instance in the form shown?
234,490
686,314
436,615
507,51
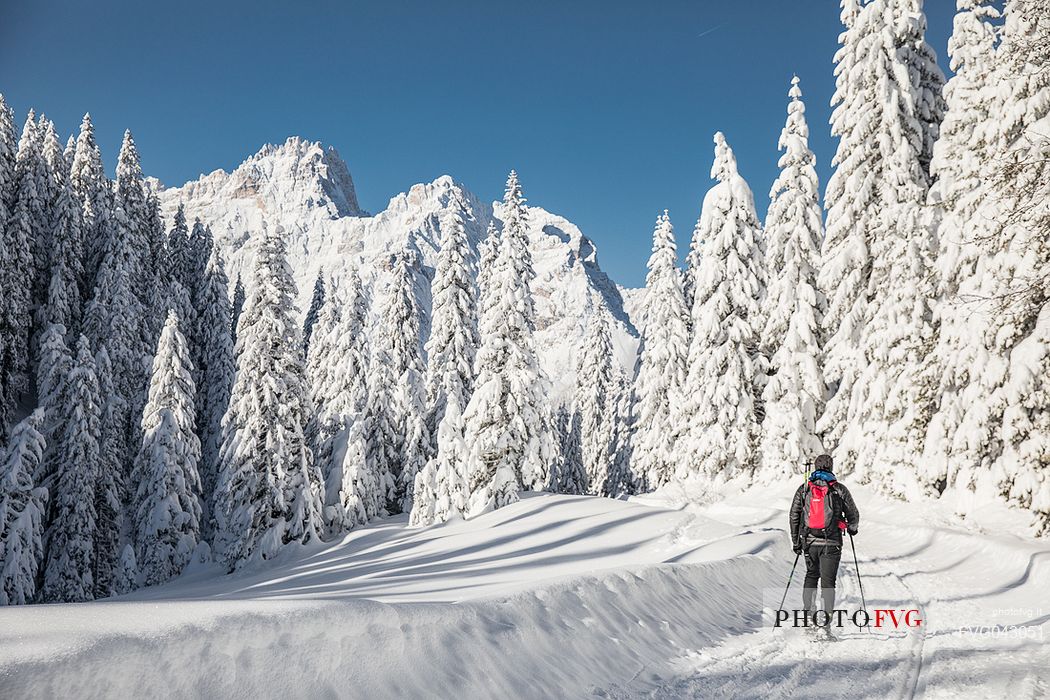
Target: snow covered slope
560,596
307,190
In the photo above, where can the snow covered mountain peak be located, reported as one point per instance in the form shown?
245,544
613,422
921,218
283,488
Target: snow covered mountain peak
305,189
298,173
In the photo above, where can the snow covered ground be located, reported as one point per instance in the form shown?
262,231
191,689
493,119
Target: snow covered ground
561,596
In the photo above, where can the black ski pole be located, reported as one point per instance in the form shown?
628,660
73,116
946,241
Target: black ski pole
790,576
860,582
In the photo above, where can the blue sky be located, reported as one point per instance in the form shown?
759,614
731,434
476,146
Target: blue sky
606,109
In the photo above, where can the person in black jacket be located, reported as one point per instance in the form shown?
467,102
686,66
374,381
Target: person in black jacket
822,547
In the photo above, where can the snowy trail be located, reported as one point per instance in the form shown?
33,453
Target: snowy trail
561,597
958,579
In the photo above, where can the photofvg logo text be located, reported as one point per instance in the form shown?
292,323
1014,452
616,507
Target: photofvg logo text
848,613
878,618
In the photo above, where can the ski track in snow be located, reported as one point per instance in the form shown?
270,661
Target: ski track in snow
771,663
561,596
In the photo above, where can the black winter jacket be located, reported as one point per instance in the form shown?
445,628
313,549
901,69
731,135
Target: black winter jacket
847,511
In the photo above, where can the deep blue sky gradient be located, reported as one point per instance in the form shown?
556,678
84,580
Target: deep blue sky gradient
606,109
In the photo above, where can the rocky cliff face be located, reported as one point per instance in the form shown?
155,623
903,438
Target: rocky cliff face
306,189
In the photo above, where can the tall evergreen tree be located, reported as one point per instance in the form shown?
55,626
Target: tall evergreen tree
927,79
22,238
45,156
8,149
94,194
595,403
657,417
62,268
178,246
962,159
399,348
453,340
570,475
508,426
69,560
893,398
268,492
110,488
794,395
55,363
1000,446
113,315
200,245
167,504
621,478
440,490
217,370
337,367
883,103
21,512
724,367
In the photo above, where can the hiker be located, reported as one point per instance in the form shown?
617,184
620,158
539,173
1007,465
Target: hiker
821,510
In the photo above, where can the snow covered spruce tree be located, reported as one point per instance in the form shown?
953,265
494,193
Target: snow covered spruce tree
794,393
110,489
24,225
621,478
7,160
961,162
95,194
885,101
337,367
893,398
52,371
1023,472
178,247
62,271
509,434
34,185
268,492
401,441
316,301
70,536
130,195
441,487
113,315
660,375
1001,445
725,369
21,512
217,370
595,404
569,476
453,342
166,505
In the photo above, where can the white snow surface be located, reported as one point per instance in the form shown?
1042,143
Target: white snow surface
306,188
564,596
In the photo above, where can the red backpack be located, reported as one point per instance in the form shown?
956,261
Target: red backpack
818,510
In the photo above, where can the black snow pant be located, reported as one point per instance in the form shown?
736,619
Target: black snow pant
822,564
